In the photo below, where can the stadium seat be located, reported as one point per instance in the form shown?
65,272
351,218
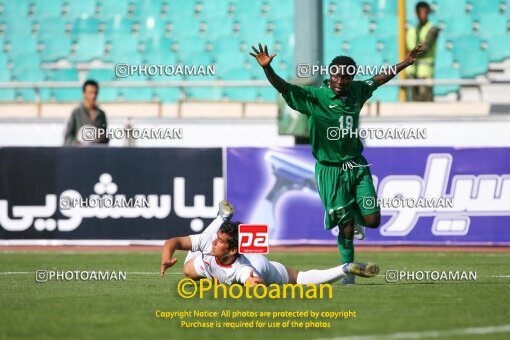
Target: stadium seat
159,51
22,46
124,49
16,29
460,26
241,93
217,28
215,10
267,94
7,95
492,24
447,72
117,25
135,93
167,94
88,48
51,27
78,9
85,26
497,50
473,60
47,9
280,9
57,48
342,9
145,9
16,9
109,9
481,7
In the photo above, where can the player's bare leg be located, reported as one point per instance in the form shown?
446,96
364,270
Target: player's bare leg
319,276
373,220
189,270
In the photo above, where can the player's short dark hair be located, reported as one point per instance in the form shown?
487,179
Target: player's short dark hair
232,230
422,4
343,60
90,82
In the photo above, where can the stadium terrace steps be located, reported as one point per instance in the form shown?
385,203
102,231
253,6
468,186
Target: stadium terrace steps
194,31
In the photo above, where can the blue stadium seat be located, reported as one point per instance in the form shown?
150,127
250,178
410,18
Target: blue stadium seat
45,9
244,8
16,28
447,72
57,48
16,9
446,9
85,26
109,9
89,47
167,94
280,9
217,28
124,49
386,94
343,9
460,26
158,50
117,26
22,46
26,68
62,75
387,26
147,9
184,27
498,51
7,95
492,24
267,94
214,9
150,27
51,27
473,60
483,7
79,9
241,93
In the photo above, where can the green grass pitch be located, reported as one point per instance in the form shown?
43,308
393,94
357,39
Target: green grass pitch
126,309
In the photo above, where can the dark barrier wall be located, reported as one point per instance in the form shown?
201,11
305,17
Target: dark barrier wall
173,192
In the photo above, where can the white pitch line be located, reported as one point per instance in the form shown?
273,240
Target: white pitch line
431,334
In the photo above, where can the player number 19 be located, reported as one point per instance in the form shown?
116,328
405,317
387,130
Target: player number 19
345,122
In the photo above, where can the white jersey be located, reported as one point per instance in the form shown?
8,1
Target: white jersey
239,271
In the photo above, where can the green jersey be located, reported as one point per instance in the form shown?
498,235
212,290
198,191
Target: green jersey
331,118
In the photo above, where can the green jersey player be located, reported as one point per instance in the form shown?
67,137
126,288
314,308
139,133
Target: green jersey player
343,177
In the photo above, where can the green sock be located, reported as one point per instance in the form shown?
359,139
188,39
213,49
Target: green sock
346,248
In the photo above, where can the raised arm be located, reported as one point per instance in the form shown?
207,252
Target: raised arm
384,77
170,246
264,60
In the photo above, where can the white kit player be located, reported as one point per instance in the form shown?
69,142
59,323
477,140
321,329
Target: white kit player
214,255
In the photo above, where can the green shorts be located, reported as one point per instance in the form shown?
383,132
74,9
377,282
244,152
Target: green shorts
347,191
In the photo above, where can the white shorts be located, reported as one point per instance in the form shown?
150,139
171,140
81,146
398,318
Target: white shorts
199,265
278,273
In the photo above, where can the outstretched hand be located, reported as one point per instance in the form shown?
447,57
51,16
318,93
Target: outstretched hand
254,280
262,55
419,49
165,265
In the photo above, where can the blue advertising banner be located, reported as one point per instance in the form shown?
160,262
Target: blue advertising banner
437,196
